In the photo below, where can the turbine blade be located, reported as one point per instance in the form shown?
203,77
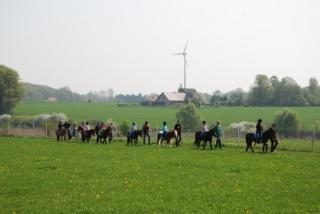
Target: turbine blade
178,54
185,47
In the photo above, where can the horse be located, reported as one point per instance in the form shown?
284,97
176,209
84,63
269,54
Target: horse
205,137
170,135
134,136
61,134
86,134
103,134
269,134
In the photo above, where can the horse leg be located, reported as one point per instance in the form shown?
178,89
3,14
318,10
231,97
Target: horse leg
250,144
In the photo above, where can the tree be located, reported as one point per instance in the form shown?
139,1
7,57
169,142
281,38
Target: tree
216,98
197,100
262,92
287,121
236,97
289,93
189,117
11,90
312,92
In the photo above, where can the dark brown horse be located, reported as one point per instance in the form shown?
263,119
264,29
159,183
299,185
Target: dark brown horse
133,137
61,134
269,134
103,134
86,134
204,137
169,137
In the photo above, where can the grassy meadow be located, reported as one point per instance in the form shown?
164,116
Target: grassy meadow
155,115
43,176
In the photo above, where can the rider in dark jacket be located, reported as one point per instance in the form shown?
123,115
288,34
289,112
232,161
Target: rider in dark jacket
259,130
146,130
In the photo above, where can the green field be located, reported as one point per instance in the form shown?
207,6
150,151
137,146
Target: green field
155,115
43,176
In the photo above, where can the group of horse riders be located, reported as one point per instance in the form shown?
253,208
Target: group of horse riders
102,131
163,131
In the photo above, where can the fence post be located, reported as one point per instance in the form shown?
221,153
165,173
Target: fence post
7,128
312,139
116,132
19,129
238,133
46,130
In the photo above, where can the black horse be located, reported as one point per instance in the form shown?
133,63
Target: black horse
86,134
103,134
133,137
205,137
269,134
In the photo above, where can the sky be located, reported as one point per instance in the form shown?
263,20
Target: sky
128,45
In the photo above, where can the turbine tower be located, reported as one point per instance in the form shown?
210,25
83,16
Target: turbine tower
184,54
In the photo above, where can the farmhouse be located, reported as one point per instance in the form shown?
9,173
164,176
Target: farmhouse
52,99
183,95
169,98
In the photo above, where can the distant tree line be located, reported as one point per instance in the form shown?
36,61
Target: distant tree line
271,91
41,92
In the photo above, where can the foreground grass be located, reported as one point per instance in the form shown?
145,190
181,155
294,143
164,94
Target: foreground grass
42,176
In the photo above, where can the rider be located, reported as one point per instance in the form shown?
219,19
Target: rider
133,129
146,130
97,129
259,130
59,125
177,128
67,125
218,134
87,126
204,128
164,130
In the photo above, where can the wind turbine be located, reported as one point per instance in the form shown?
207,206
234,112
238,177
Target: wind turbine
184,54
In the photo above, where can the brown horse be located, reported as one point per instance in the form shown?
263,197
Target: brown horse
169,137
86,134
133,136
61,134
270,134
103,134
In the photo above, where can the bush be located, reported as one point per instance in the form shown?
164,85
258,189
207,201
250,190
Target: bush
189,117
124,128
316,128
287,121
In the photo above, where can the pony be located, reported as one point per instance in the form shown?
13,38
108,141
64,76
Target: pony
269,134
86,134
168,140
133,137
205,137
61,134
103,134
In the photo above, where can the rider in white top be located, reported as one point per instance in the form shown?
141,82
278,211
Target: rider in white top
204,127
87,126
